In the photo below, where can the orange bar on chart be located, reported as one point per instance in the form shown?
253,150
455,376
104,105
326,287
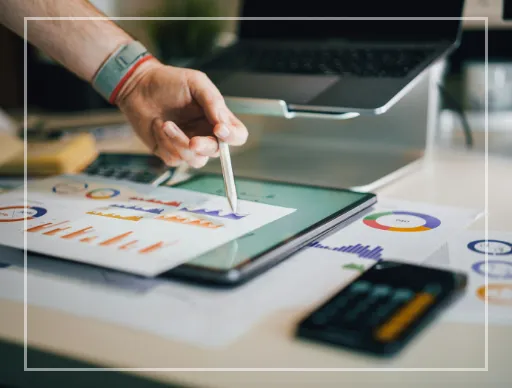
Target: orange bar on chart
77,233
115,239
55,231
39,227
128,245
152,248
88,239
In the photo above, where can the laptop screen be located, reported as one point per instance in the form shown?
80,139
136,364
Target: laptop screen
388,30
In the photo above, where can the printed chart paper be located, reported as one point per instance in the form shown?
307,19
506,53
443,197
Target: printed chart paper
399,230
466,253
130,227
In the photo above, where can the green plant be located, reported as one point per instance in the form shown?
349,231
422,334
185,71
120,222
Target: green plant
185,38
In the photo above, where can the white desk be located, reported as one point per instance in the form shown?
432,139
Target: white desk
446,178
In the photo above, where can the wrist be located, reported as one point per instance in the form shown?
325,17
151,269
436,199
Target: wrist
119,68
134,79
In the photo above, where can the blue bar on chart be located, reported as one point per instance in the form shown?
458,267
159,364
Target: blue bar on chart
363,251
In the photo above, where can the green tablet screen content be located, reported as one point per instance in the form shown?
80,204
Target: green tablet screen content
312,204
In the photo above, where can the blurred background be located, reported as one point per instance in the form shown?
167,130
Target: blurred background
53,90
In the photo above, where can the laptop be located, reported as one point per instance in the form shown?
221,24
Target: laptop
323,66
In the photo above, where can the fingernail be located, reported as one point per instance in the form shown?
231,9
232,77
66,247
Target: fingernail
223,132
170,130
188,155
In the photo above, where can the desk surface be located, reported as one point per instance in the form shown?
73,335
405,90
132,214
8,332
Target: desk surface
446,178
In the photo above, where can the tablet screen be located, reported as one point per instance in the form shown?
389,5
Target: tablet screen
313,205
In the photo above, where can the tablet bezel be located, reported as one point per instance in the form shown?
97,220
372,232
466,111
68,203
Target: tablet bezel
261,262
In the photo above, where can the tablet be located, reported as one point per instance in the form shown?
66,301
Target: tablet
319,210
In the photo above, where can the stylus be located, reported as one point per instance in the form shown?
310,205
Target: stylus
227,172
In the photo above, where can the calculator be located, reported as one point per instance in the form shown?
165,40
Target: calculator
138,168
380,311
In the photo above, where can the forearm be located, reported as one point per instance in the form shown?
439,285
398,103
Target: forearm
80,45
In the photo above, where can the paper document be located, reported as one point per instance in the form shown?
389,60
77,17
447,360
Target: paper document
130,227
466,253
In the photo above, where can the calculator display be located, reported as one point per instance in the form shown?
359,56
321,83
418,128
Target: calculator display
383,308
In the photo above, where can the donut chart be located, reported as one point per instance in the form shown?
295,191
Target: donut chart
20,213
491,247
401,221
102,193
70,187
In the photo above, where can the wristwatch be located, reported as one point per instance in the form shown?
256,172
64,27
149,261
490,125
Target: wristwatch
118,67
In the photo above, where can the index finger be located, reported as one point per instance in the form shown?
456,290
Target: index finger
206,94
226,126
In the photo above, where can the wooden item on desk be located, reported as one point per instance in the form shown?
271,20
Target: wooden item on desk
51,157
10,146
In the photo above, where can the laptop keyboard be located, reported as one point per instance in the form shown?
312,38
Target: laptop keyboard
354,62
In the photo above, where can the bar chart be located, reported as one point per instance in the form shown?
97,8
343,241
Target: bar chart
362,251
87,235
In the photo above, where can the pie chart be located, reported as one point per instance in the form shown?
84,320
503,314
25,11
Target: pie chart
19,213
402,221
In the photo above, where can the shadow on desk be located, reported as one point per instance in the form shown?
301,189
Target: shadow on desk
13,376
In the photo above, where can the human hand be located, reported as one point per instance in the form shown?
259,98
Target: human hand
179,114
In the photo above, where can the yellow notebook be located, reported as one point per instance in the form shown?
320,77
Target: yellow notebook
49,157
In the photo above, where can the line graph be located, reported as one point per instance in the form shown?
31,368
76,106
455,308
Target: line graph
361,251
215,213
138,208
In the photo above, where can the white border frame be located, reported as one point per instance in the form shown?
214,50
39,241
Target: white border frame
486,205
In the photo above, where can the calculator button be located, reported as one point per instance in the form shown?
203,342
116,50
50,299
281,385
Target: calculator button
381,290
391,329
403,294
360,287
432,288
383,311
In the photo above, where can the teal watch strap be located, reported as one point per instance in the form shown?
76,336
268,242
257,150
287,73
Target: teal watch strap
116,67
